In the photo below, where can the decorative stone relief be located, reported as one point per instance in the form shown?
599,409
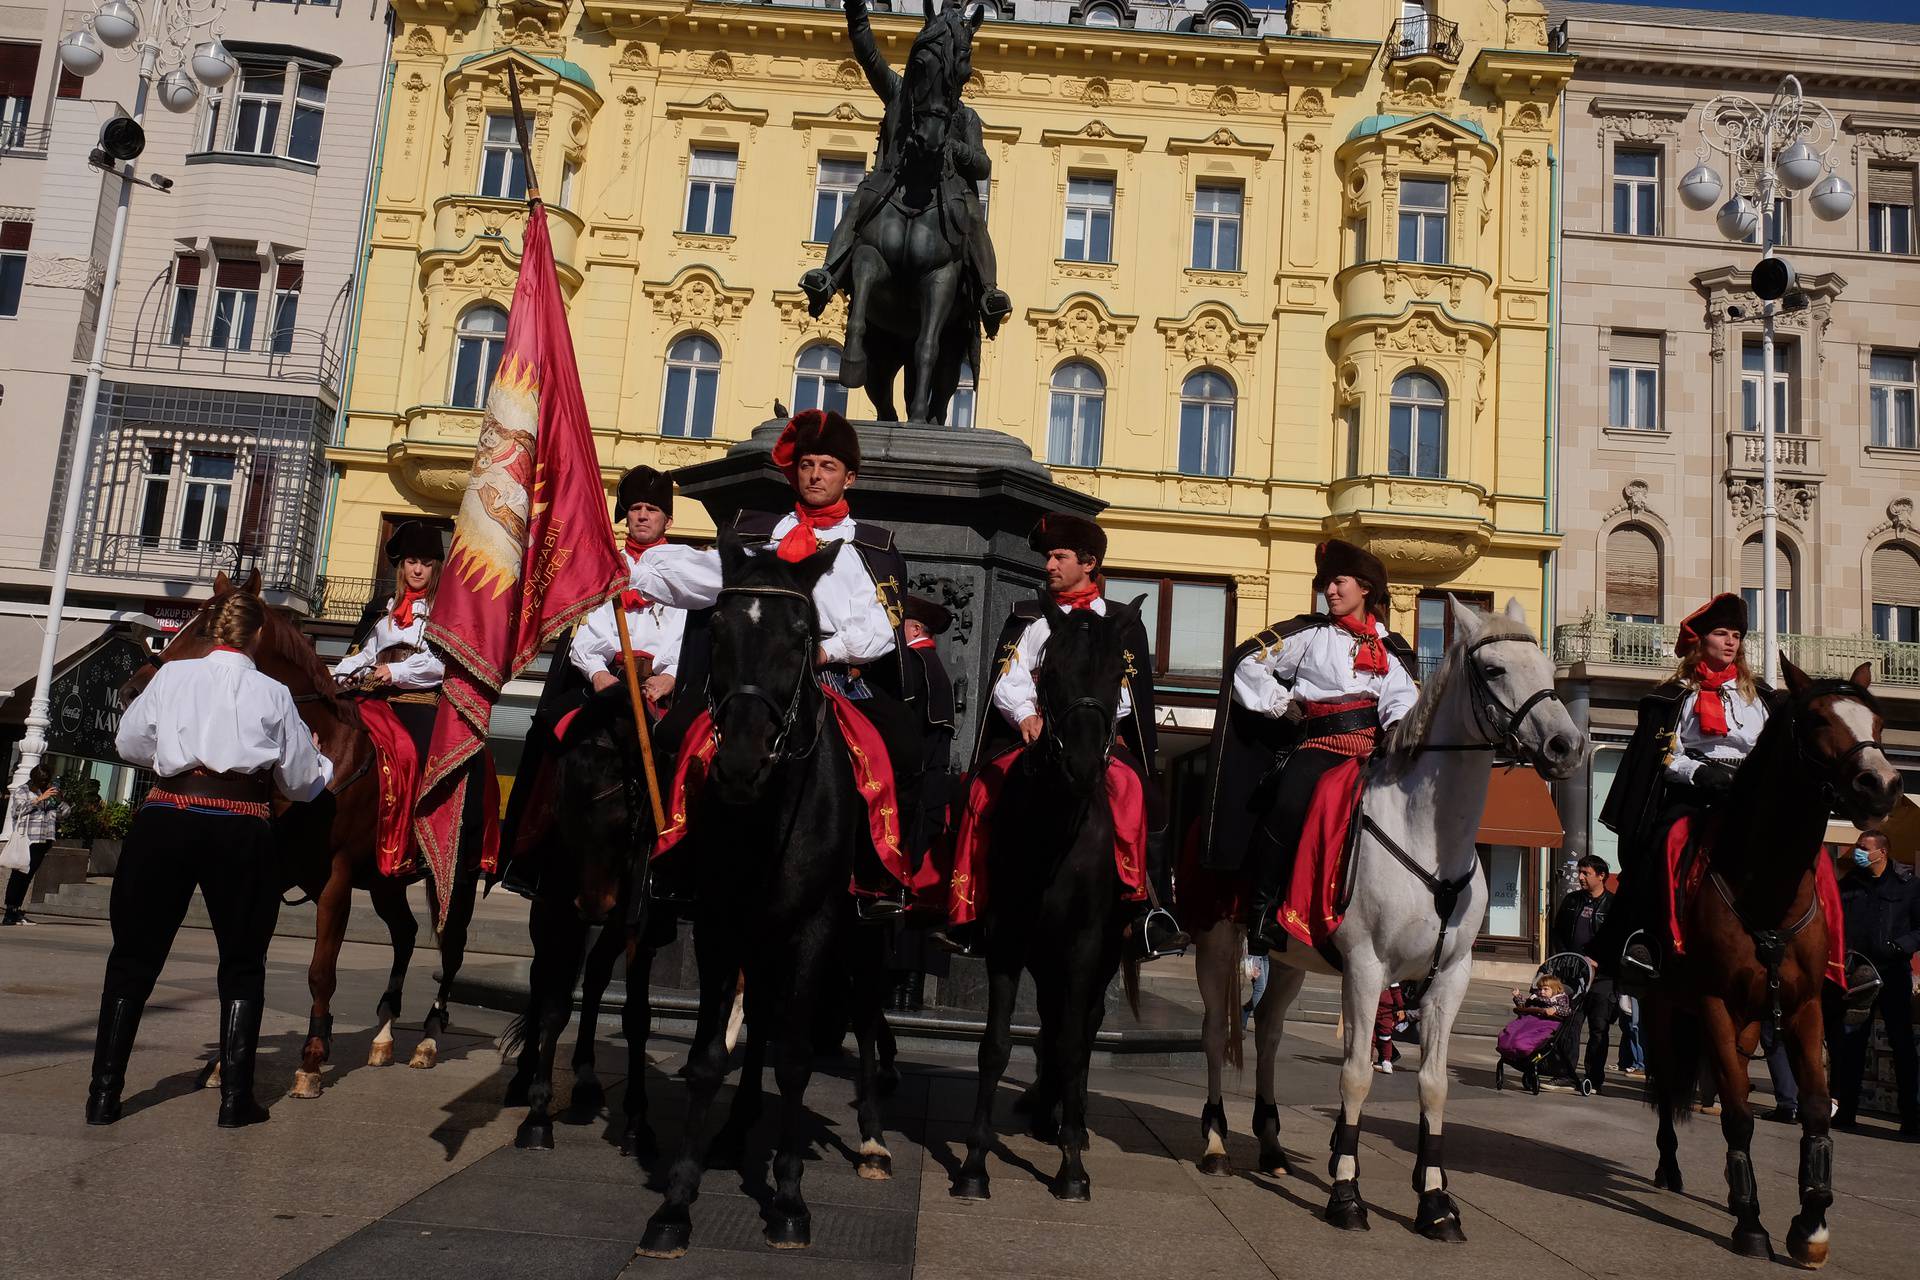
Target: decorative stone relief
697,296
831,323
419,44
1211,333
1886,144
1528,117
1252,590
531,34
1082,328
1203,493
1899,518
1793,501
681,455
633,58
1312,103
62,271
1422,285
954,596
1422,335
1633,501
1639,126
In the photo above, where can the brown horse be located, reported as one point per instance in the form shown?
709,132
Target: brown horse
1757,943
327,845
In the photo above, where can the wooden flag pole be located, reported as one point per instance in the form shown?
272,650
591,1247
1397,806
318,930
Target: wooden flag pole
520,130
640,719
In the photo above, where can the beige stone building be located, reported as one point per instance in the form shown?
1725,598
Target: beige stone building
1660,371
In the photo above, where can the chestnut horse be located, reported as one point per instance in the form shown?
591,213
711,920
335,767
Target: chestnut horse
1757,943
327,845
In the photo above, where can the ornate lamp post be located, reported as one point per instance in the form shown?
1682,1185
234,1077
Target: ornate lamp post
1773,151
178,49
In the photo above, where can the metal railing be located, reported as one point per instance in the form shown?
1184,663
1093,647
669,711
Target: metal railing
1650,644
133,555
1414,37
344,599
22,139
309,357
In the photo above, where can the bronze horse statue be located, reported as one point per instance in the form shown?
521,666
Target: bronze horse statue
327,845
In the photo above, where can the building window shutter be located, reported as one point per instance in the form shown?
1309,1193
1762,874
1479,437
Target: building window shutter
1890,184
1636,348
1896,577
236,274
1633,573
1752,563
16,235
17,63
289,275
186,270
71,86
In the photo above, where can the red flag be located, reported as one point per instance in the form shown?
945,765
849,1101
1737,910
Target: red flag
532,548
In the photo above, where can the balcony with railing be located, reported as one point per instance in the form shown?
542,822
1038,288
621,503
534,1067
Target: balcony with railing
1603,641
298,356
133,555
18,138
1425,37
1792,454
340,599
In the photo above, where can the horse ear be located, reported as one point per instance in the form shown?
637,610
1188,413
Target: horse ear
252,585
1862,675
1468,622
222,584
976,17
1515,614
733,555
817,565
1797,680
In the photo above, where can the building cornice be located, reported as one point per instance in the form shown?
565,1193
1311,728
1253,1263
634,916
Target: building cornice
1673,55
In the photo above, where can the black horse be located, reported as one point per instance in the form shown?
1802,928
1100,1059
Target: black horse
778,822
1056,906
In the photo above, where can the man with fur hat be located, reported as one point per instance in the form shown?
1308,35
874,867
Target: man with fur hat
1297,699
645,502
1074,549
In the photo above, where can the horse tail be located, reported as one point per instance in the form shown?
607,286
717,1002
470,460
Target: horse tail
1675,1058
1236,1025
1130,982
513,1041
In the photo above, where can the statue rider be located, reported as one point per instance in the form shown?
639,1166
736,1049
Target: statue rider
969,164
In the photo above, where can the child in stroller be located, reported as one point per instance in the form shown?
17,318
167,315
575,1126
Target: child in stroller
1545,1031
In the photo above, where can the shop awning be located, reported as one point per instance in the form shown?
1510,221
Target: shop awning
20,641
1520,811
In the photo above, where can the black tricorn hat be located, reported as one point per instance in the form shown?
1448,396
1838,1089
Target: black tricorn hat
1335,558
1724,610
1077,534
413,540
644,484
933,616
816,431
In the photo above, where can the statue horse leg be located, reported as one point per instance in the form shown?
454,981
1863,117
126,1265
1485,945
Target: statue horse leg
1728,1048
323,974
1807,1239
1269,1025
938,290
1438,1217
390,904
865,271
1360,987
588,1093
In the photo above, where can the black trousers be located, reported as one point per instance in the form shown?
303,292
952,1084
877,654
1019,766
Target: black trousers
1601,1007
168,852
1277,840
17,882
1848,1046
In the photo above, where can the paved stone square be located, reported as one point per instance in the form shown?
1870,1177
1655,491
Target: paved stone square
400,1173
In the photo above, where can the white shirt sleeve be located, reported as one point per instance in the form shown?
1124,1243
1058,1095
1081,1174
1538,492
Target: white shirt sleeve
855,626
139,734
1398,693
1682,766
301,771
424,670
683,577
1257,679
595,642
666,660
1015,695
354,663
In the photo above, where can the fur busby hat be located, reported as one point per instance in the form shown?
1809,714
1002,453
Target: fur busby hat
1724,610
816,431
1334,558
1076,533
934,617
415,541
644,484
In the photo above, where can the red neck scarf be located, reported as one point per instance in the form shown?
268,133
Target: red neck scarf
924,642
1709,706
630,599
1081,598
1372,654
403,606
801,541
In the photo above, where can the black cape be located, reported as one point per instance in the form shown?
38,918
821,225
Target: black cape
1246,746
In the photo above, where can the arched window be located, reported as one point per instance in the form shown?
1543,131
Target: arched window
1076,415
1206,425
1786,614
693,385
1896,594
1224,18
1417,427
1633,575
960,408
481,333
816,379
1102,15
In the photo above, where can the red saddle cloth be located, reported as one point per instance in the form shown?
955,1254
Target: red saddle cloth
1313,906
967,885
872,776
1686,876
396,767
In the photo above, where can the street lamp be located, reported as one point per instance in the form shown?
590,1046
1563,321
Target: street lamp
178,46
1772,151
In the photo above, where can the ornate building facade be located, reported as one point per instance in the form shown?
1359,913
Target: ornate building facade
1661,372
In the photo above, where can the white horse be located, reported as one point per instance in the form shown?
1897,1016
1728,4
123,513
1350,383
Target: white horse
1418,899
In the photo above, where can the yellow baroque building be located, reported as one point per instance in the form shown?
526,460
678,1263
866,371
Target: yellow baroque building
1268,287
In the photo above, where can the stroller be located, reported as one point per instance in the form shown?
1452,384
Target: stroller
1531,1044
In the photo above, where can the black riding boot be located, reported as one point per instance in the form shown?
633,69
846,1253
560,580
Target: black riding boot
239,1038
112,1046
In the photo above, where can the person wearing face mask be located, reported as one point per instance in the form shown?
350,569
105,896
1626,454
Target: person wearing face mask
1880,901
1693,732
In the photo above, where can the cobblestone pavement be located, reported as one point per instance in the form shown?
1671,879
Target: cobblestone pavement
400,1173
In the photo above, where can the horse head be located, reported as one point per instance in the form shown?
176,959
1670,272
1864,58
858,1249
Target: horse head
1509,689
599,804
1836,727
764,641
938,66
1078,689
191,640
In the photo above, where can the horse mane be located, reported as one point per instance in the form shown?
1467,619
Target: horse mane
1411,732
297,650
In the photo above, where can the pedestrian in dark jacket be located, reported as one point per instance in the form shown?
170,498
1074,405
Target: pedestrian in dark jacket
1577,926
1881,903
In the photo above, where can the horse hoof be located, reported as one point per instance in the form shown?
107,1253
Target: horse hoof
1345,1209
791,1230
874,1166
380,1053
210,1078
668,1235
1667,1178
1809,1251
1216,1165
971,1186
1446,1231
306,1084
1274,1164
424,1056
1753,1242
853,371
517,1089
534,1135
1077,1189
584,1106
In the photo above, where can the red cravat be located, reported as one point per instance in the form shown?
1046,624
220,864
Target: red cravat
1371,655
630,599
1079,598
1708,705
403,607
801,541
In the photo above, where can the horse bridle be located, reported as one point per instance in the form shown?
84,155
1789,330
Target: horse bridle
1485,702
786,714
1832,768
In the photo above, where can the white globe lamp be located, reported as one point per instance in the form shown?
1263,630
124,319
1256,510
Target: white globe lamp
1832,199
1738,218
178,90
212,64
117,23
1700,188
81,52
1799,167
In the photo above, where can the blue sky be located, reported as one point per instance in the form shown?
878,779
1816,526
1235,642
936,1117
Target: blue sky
1872,10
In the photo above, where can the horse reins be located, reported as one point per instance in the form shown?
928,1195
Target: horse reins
787,714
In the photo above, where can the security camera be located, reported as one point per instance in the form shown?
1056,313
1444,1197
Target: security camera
160,182
1736,312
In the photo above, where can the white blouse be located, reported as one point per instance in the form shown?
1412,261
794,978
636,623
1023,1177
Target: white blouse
655,630
1745,719
220,713
424,670
1315,664
1016,694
